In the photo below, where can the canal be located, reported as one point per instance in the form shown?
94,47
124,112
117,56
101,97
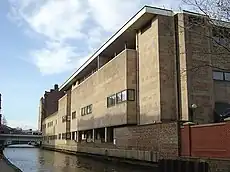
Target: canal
39,160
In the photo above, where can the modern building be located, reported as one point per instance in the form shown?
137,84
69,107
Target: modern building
160,67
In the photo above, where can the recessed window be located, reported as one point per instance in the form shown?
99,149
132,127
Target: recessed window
111,100
218,75
74,115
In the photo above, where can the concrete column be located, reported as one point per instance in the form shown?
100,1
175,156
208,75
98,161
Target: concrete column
93,135
77,136
106,134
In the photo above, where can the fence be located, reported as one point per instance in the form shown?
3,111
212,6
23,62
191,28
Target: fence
210,140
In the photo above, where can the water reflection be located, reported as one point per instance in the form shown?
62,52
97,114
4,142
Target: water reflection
37,160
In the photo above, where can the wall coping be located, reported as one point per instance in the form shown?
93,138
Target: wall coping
208,125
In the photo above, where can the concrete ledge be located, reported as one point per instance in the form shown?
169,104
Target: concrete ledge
109,154
11,165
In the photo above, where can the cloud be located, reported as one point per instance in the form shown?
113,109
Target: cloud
55,58
113,13
72,29
21,124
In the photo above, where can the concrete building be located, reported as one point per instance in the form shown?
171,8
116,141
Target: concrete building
140,83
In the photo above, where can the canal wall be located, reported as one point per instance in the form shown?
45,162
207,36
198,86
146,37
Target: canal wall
7,166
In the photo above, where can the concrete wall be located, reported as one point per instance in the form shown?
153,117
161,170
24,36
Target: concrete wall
157,71
110,79
149,74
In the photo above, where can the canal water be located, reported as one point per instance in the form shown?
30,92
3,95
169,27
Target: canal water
39,160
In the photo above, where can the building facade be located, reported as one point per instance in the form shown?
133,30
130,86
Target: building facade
152,71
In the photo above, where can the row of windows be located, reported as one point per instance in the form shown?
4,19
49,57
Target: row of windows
125,95
86,110
223,76
50,124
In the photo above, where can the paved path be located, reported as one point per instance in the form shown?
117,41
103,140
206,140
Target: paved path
4,167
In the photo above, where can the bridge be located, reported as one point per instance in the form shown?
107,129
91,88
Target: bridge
20,137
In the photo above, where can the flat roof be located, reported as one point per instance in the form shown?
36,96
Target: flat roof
133,20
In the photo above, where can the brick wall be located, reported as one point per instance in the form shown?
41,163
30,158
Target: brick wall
160,138
211,140
51,101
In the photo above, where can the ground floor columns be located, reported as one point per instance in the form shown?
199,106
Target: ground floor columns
77,135
106,134
93,135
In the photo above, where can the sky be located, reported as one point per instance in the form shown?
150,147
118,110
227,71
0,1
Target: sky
42,42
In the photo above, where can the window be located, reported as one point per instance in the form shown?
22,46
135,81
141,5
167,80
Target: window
59,136
111,100
122,96
86,110
73,135
227,76
221,76
64,119
82,111
74,115
119,97
218,75
131,95
89,109
126,95
63,136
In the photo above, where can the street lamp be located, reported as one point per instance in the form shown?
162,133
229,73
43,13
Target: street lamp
191,112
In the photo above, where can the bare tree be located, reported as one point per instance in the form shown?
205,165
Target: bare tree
4,121
215,16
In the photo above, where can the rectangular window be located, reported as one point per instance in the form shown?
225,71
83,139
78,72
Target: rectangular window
73,135
227,76
86,110
131,95
111,100
59,136
218,75
64,119
82,111
63,136
89,109
119,97
74,115
124,95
